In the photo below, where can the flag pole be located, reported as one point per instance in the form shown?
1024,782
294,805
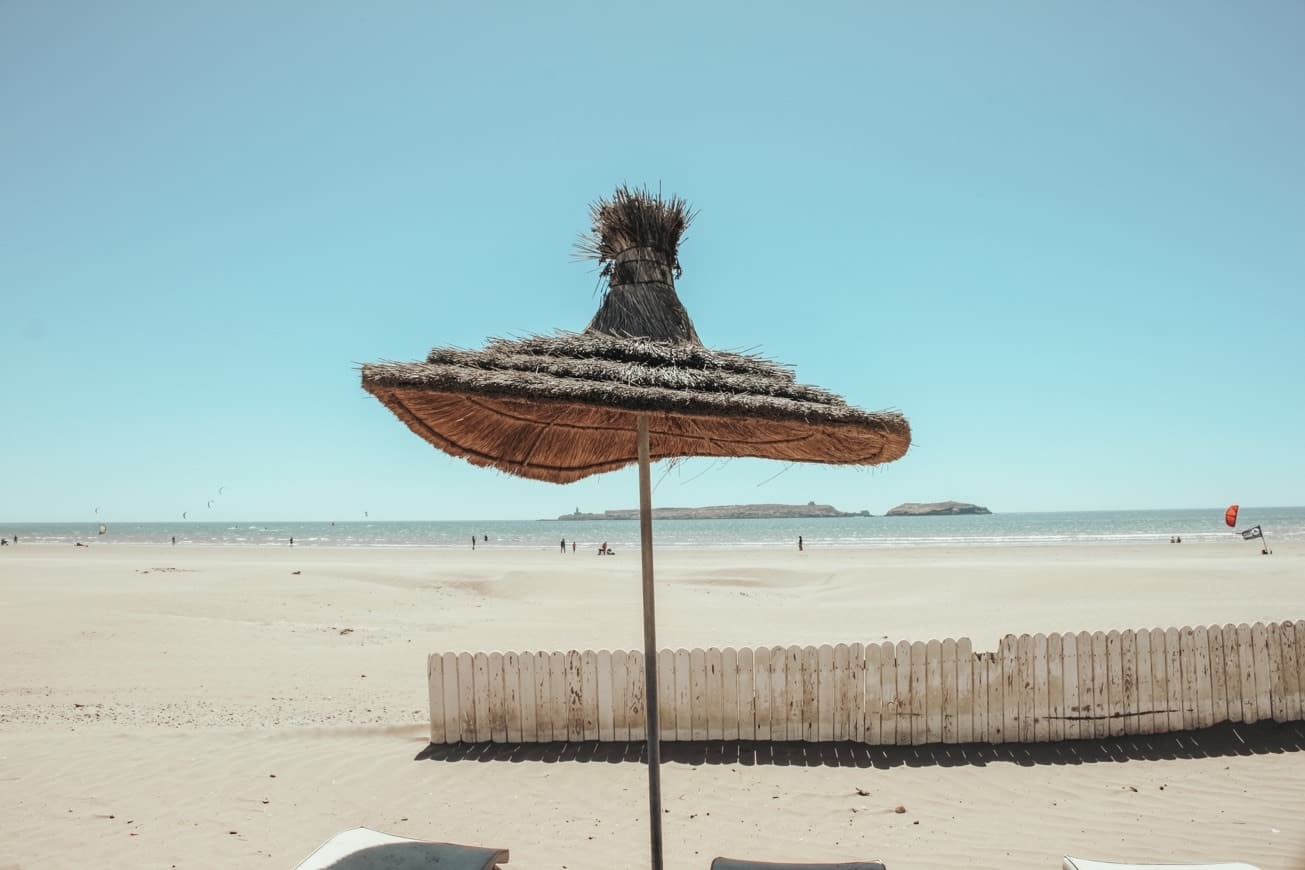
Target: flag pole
650,649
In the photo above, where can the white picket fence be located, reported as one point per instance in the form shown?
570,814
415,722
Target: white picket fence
1032,689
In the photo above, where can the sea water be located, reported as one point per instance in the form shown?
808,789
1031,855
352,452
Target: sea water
1194,526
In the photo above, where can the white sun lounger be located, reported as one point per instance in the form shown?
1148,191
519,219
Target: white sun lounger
1083,864
365,849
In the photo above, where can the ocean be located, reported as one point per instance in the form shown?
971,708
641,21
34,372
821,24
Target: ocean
1194,526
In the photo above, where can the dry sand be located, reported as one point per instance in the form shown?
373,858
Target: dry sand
187,707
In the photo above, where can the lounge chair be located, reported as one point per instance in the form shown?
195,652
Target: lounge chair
365,849
1083,864
739,864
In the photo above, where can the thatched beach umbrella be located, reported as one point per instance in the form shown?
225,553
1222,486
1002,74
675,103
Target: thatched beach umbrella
636,386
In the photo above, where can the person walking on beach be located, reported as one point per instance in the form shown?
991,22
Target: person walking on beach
292,541
174,540
799,543
564,545
473,542
573,545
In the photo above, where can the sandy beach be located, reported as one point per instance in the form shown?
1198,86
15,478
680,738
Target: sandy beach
204,707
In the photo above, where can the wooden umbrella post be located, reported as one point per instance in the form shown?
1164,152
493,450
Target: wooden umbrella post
650,649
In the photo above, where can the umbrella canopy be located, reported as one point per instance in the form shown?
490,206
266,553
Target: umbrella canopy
562,407
636,386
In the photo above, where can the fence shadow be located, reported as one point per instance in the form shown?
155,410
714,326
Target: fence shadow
1263,738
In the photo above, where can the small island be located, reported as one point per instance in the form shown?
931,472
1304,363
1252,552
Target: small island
810,510
936,509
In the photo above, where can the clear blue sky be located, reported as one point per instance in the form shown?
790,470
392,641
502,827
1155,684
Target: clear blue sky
1066,240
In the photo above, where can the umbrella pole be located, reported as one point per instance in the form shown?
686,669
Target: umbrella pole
650,649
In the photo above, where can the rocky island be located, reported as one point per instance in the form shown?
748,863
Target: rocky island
810,510
936,509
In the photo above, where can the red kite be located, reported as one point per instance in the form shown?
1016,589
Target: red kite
1230,516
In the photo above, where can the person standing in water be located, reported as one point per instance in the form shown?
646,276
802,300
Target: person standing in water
799,543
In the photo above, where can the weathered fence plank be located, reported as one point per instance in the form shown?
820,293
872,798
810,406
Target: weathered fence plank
1100,685
1173,675
1114,684
964,691
748,695
810,694
918,692
529,706
1024,662
874,698
729,694
559,701
779,695
840,691
996,700
1073,712
933,692
1145,702
1204,704
575,698
1010,688
1041,705
484,730
1218,675
606,712
1300,662
684,712
1291,670
1232,673
1277,684
589,691
1128,652
620,696
668,696
1187,661
1263,692
452,721
467,698
824,673
715,695
762,693
903,675
1246,670
497,700
636,693
1159,681
794,689
856,709
698,694
949,713
1086,686
435,692
512,696
979,681
888,689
